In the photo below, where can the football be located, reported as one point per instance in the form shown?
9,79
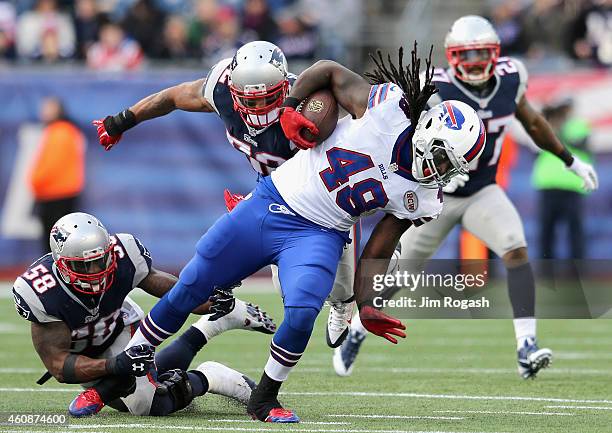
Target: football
322,109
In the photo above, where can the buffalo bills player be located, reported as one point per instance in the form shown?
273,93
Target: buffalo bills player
246,92
495,87
76,299
299,217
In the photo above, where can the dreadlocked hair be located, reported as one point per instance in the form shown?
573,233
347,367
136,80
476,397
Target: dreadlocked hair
415,98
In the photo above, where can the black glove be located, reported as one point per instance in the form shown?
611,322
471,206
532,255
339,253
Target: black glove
135,361
223,302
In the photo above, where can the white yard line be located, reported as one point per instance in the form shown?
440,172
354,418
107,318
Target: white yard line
374,394
262,429
580,407
450,418
446,396
247,420
506,412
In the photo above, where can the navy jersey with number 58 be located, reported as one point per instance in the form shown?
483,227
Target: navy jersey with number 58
42,296
496,111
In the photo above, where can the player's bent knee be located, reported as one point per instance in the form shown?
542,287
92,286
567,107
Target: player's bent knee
301,318
516,257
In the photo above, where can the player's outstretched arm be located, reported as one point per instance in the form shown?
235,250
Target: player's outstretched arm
52,343
186,97
158,283
544,137
375,260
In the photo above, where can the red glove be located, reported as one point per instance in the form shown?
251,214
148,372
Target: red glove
292,123
107,141
381,324
231,200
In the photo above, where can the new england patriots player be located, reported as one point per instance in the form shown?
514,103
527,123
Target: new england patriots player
76,298
495,87
246,92
299,217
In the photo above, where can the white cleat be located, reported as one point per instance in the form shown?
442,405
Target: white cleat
338,322
243,315
345,355
532,359
227,382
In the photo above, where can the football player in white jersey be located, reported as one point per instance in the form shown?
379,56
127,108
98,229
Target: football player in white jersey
246,92
495,87
386,156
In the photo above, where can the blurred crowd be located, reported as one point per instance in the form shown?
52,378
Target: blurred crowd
541,29
122,34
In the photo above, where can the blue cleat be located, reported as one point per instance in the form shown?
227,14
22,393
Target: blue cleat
86,403
282,416
532,359
345,355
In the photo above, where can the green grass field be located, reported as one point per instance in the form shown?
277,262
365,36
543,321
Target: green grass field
447,376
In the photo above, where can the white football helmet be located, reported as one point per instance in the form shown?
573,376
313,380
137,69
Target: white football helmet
472,49
83,253
258,82
447,138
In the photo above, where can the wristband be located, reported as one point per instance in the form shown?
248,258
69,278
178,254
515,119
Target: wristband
567,157
292,102
119,123
68,371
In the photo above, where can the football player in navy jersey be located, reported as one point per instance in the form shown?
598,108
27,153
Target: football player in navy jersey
246,92
495,87
76,299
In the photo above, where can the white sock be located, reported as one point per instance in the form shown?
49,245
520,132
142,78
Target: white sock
137,338
280,363
356,324
524,328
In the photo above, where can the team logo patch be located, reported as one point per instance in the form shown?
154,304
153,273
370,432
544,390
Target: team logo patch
453,118
21,310
315,106
59,236
278,58
411,201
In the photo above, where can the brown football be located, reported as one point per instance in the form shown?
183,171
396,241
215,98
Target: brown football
322,109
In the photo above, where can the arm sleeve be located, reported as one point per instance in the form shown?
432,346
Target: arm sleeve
28,304
139,256
215,75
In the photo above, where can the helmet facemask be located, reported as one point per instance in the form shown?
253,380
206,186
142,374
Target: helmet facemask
473,64
92,274
435,163
259,106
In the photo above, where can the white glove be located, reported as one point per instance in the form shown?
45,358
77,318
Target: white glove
586,172
456,183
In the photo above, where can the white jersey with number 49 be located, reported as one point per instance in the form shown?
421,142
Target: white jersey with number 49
364,166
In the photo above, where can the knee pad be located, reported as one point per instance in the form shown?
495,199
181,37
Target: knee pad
301,318
193,271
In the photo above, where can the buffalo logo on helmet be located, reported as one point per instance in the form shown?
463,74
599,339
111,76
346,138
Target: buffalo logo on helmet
453,118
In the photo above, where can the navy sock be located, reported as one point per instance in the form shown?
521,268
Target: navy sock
199,382
181,351
521,289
